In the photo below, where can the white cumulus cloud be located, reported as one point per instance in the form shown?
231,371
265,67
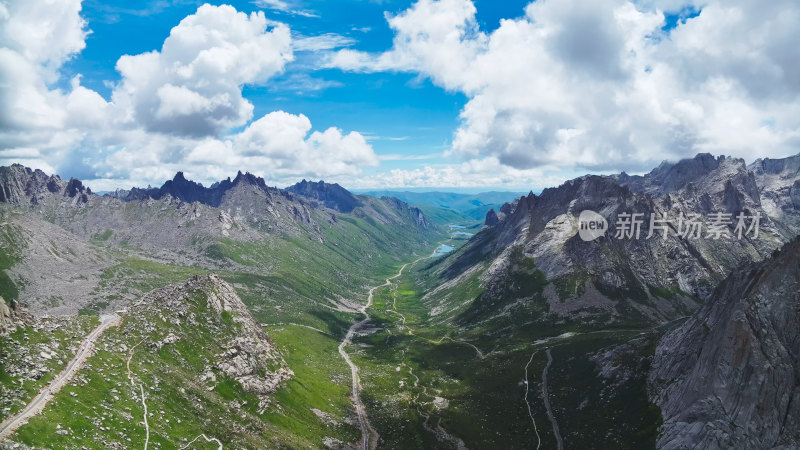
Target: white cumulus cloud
192,87
280,144
599,85
173,108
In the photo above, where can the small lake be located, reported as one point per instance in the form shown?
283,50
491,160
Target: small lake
457,226
461,233
442,250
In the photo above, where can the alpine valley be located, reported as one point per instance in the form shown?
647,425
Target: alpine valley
241,315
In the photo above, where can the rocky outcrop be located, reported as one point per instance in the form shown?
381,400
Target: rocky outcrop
729,376
491,218
250,355
411,212
12,316
7,323
331,195
20,185
779,188
75,189
245,353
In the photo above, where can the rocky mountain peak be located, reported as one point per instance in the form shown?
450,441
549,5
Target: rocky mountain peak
75,188
329,194
188,191
183,189
249,179
669,176
786,167
21,185
491,218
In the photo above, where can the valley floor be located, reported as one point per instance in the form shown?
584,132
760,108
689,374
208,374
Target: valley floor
431,385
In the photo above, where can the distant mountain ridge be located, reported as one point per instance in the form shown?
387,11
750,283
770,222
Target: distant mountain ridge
59,228
474,206
20,184
622,280
331,195
190,191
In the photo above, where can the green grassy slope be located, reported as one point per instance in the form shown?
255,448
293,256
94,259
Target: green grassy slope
102,407
288,283
11,247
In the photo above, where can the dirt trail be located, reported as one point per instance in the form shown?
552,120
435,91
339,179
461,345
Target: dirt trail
528,404
38,403
546,398
141,388
366,429
208,439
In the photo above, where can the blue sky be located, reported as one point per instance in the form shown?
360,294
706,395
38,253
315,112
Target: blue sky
402,114
470,94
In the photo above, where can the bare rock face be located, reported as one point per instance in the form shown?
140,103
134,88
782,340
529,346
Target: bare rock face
779,183
491,218
729,376
12,316
794,194
20,185
7,323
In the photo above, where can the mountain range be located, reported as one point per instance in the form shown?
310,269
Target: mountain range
314,317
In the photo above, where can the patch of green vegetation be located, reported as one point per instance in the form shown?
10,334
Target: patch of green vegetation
227,317
8,290
629,290
593,409
663,292
572,285
294,279
12,244
522,281
215,251
103,236
321,381
143,275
